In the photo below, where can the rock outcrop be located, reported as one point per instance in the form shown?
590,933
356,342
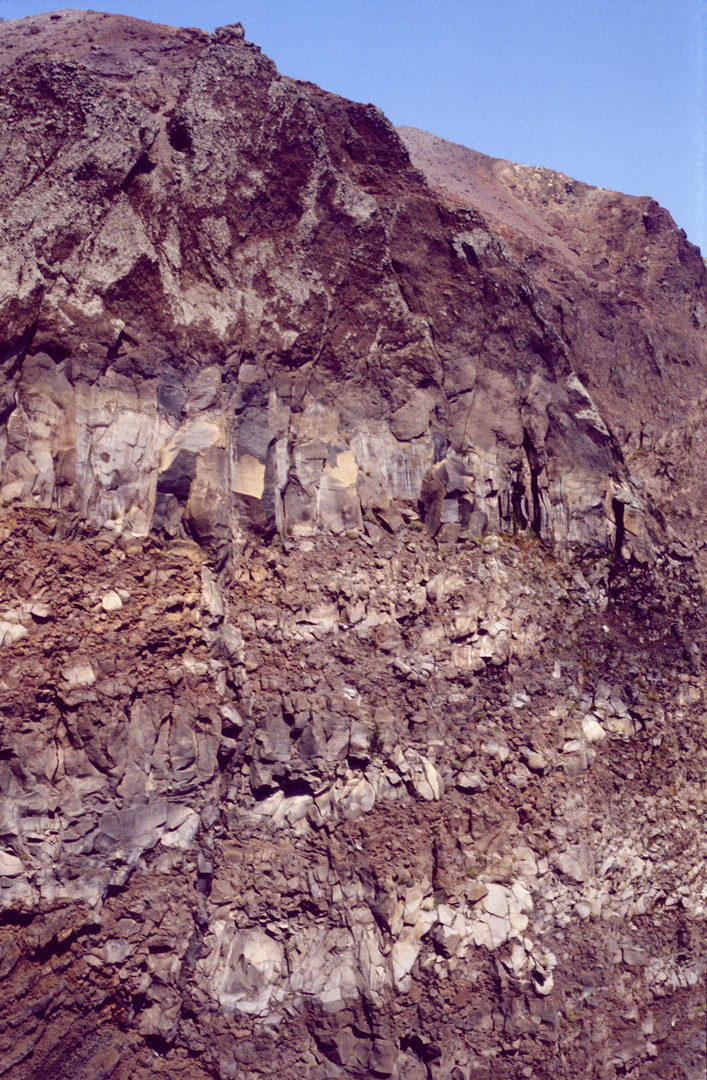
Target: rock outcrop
352,617
231,302
626,291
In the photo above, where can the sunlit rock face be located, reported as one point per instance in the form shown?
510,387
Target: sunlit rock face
351,604
230,302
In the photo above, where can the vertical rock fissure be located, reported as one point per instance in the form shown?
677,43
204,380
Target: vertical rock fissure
618,508
534,470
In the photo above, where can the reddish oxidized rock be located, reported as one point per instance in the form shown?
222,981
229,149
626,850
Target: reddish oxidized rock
291,782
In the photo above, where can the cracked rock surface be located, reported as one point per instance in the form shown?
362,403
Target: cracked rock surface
352,701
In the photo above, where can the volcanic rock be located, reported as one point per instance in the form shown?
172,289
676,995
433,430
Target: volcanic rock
352,609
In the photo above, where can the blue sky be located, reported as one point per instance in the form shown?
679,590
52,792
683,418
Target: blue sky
612,93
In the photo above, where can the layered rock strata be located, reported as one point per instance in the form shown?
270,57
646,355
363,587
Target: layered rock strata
351,640
230,301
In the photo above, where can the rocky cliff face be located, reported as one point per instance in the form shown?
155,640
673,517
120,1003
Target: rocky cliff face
352,688
625,290
245,308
